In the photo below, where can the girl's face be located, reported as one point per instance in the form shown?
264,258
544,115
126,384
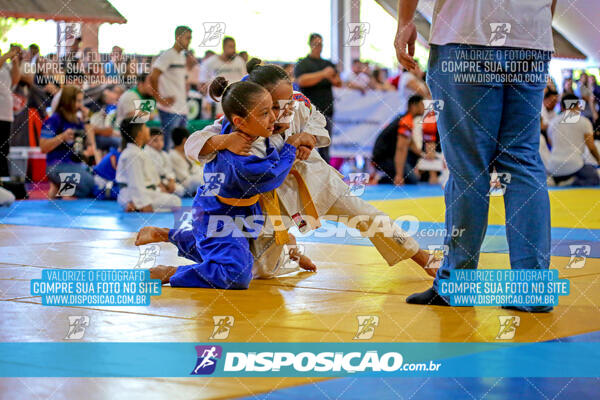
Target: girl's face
260,121
281,94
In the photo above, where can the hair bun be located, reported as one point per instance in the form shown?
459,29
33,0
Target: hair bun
217,88
252,64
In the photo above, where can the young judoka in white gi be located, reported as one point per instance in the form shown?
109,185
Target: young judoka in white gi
138,180
188,173
162,162
327,191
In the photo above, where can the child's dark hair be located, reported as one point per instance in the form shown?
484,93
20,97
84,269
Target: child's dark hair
267,76
179,134
129,131
155,131
236,98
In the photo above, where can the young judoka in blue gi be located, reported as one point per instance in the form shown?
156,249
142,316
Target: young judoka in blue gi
224,260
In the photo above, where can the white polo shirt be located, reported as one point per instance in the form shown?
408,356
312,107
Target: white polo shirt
474,21
171,82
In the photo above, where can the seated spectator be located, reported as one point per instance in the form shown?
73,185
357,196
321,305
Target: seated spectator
571,134
139,188
391,153
126,106
188,173
103,122
105,185
358,78
548,113
380,80
64,138
162,162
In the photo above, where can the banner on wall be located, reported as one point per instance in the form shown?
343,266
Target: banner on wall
359,118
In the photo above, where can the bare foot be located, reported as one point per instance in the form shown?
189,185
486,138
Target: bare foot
304,261
130,207
428,262
162,272
151,234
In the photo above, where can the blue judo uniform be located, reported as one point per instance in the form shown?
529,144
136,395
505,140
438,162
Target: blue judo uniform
218,241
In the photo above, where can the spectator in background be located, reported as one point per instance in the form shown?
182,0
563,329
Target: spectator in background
126,106
129,77
550,84
244,56
316,77
289,70
188,173
113,68
64,137
139,186
73,66
380,80
586,92
227,64
168,84
409,84
548,113
208,54
394,152
568,86
105,172
162,162
192,67
358,78
9,77
596,92
103,122
571,134
34,53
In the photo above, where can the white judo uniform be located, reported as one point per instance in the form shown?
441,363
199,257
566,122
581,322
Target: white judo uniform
138,181
188,174
162,163
327,189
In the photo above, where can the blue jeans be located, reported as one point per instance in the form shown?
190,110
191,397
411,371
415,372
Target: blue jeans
168,122
106,142
85,187
483,126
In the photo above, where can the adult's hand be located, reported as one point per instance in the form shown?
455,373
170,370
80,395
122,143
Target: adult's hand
406,35
68,135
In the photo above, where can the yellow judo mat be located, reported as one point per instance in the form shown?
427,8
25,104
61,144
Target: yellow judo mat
352,280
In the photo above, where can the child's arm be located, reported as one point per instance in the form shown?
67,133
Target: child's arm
203,145
314,122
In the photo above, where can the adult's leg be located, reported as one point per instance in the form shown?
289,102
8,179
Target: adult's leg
85,187
587,176
526,194
468,126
